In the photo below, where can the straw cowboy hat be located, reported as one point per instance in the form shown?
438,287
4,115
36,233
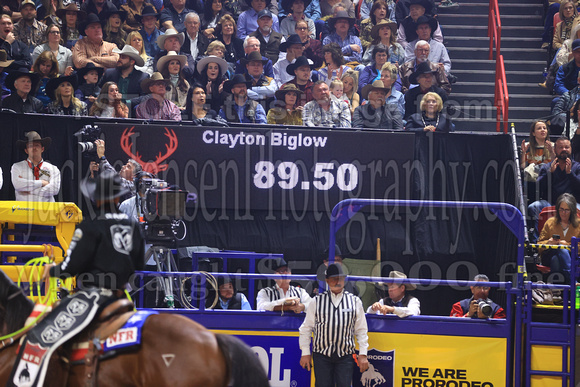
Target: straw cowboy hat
383,23
4,62
33,136
131,52
156,77
399,275
377,85
169,33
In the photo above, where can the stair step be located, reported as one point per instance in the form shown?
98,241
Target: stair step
450,29
483,8
522,54
482,19
483,42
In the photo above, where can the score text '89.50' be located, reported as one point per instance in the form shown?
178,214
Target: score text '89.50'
287,175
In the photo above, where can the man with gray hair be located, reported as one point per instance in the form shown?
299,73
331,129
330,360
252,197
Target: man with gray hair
195,43
479,305
127,172
422,50
251,43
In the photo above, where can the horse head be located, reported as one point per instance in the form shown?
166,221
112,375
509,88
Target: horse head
15,307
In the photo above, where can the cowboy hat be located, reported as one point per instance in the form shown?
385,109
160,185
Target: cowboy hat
22,72
292,39
27,2
171,55
115,11
288,88
253,56
169,33
211,59
287,5
91,19
236,80
422,68
377,85
424,3
147,11
340,15
156,77
424,19
299,62
383,23
106,186
4,62
54,83
399,275
85,70
72,7
335,270
33,136
131,52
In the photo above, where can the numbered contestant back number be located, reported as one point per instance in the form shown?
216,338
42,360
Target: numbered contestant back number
287,176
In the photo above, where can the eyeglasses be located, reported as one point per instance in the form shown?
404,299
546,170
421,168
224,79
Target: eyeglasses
564,210
301,28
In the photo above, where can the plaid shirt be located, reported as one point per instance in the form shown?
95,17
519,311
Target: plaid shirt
31,36
307,89
338,116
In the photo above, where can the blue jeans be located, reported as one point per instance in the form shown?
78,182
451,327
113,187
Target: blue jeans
333,371
534,210
559,262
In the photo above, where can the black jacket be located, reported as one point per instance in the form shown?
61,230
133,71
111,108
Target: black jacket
414,96
387,117
202,43
14,102
270,49
18,52
135,78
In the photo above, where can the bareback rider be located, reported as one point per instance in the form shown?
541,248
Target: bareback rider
103,254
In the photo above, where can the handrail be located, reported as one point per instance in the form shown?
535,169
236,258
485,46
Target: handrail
501,96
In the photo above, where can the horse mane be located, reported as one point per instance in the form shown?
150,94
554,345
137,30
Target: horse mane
15,307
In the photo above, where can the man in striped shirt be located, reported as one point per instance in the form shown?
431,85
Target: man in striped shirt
335,317
282,296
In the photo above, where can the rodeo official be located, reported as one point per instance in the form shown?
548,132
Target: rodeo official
103,254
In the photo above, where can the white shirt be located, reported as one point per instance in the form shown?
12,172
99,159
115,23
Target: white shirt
263,301
193,46
412,309
360,325
29,189
280,75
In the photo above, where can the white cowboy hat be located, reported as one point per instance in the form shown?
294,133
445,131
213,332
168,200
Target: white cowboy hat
169,33
171,55
212,59
131,52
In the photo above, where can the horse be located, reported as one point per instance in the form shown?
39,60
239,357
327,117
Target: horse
175,351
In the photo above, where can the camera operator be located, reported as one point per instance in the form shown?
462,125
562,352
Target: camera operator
127,172
479,305
130,206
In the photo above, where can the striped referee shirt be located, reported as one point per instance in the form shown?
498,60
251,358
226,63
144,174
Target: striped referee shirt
268,298
335,320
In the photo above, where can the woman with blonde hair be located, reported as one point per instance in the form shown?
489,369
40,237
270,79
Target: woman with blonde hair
47,67
61,90
110,103
135,40
389,76
430,118
563,30
113,31
350,83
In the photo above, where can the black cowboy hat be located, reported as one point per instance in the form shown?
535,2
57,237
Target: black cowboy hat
106,186
115,11
424,3
287,88
340,15
22,72
73,6
147,11
89,67
33,136
292,39
287,5
422,68
424,19
91,18
55,82
299,62
237,79
253,56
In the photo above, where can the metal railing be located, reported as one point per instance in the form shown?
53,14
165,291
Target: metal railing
501,96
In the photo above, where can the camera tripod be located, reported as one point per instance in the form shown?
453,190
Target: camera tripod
164,261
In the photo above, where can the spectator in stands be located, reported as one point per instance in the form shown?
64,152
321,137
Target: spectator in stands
11,8
248,20
293,47
437,51
198,109
238,107
408,28
212,72
52,44
398,302
195,44
312,47
282,296
377,14
372,72
28,30
35,179
71,16
376,113
538,150
109,103
92,48
61,91
173,15
366,10
335,64
149,31
135,40
173,41
15,49
125,75
424,77
561,176
88,88
323,111
46,67
574,129
567,75
350,83
559,230
251,44
349,44
22,83
270,40
470,308
4,62
155,106
212,13
389,75
563,56
229,298
430,118
170,67
327,8
113,31
217,49
287,110
564,105
262,87
301,68
568,15
133,9
336,92
101,8
295,9
226,33
384,34
422,50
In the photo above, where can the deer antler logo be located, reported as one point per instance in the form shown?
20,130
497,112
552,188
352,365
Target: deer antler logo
155,166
